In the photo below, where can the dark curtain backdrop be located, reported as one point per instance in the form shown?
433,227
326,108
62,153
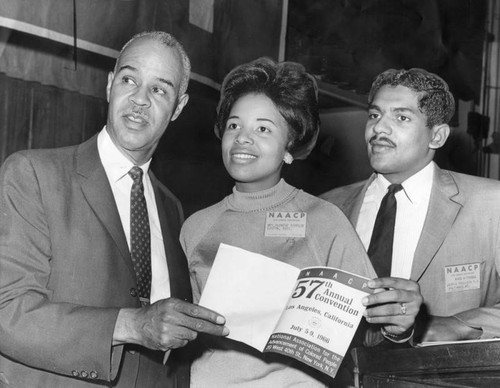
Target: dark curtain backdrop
347,43
33,115
60,43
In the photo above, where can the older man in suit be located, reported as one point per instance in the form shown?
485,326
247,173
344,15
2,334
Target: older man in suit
447,225
94,287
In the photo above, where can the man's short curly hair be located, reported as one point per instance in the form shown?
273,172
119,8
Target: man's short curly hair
292,90
435,99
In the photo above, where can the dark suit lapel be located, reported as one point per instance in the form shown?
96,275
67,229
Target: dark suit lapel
444,205
180,286
97,191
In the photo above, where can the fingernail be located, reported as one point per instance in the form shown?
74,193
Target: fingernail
364,301
220,320
371,283
225,331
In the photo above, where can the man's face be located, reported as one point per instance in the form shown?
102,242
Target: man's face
399,142
143,96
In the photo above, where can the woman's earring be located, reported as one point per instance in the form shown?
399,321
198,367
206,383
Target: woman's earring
288,159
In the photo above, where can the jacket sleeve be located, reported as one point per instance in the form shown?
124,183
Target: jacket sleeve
487,317
57,337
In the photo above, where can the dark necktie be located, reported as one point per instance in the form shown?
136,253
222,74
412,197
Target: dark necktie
140,240
380,249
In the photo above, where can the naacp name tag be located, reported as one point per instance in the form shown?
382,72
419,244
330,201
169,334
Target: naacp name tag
285,224
462,277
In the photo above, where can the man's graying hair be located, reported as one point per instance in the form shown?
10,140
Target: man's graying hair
435,99
168,41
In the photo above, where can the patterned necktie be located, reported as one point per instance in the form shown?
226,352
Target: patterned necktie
380,249
140,240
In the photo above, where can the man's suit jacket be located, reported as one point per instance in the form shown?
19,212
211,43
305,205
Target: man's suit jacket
457,259
65,271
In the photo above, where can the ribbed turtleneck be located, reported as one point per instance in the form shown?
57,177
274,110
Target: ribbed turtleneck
277,195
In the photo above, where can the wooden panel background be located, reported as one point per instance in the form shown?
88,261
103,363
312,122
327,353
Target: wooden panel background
37,116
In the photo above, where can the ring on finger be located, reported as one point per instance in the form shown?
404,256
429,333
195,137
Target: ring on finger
403,308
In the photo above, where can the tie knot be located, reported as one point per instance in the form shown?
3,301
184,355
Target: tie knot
394,188
136,174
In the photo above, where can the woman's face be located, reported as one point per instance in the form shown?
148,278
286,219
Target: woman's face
254,142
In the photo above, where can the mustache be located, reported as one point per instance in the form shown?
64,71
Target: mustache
137,112
381,139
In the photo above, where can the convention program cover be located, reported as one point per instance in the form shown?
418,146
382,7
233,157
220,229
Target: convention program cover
310,314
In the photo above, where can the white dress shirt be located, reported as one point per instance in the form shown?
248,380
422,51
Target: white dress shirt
117,167
412,205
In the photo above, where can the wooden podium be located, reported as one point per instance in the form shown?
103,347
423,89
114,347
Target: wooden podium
466,364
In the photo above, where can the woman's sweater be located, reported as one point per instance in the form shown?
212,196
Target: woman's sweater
240,220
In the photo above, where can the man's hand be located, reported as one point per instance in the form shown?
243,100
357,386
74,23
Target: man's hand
166,324
394,305
448,329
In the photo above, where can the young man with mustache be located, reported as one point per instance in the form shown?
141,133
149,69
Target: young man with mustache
447,225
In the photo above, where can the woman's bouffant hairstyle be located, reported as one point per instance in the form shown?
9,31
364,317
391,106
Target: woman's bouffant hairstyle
292,90
435,99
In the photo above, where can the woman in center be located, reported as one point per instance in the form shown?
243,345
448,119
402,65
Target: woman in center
268,115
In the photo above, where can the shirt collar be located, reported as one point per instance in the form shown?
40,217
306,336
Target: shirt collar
115,163
416,188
